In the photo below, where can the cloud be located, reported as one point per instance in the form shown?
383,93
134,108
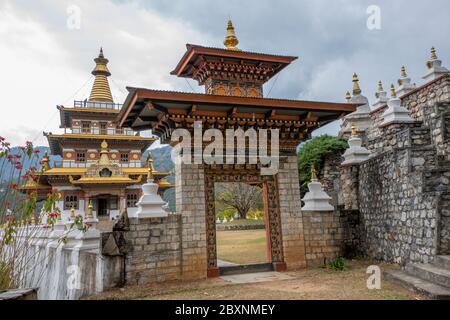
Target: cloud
43,63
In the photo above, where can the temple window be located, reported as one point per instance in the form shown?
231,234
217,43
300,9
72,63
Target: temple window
103,128
124,157
81,156
86,127
132,199
70,201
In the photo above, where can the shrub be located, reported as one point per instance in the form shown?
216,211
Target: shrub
313,152
337,264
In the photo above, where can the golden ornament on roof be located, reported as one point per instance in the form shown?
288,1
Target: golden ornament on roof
354,130
231,41
356,88
393,94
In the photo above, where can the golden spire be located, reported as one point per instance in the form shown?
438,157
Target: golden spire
90,213
45,162
393,94
72,213
433,54
356,88
150,167
231,41
100,91
313,172
348,96
354,130
404,75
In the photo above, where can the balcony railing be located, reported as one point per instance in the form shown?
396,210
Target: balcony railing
119,132
74,164
97,105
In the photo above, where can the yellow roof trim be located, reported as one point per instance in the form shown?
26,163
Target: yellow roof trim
101,136
95,110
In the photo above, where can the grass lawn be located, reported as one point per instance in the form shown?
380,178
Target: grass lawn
315,283
242,247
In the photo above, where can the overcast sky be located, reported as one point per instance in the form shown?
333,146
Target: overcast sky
44,63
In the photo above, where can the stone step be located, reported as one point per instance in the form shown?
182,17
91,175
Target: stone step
249,268
442,262
424,287
430,273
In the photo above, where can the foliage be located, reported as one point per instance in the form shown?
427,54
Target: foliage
239,198
313,152
337,264
20,217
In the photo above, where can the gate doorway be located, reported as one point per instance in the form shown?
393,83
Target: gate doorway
272,242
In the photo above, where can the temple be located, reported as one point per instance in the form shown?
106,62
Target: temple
101,164
233,80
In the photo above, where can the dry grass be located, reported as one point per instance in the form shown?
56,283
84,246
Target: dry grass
242,247
312,284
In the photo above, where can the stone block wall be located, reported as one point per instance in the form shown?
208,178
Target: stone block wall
154,250
191,204
444,225
291,216
324,233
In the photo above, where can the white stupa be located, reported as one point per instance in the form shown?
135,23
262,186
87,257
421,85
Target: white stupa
404,83
395,113
151,205
316,199
435,68
356,153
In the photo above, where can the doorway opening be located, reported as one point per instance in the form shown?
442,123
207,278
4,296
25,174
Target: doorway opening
241,228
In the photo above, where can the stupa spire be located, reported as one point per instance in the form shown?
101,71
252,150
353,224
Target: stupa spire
356,88
100,90
231,41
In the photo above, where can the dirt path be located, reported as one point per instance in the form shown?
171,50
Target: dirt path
309,284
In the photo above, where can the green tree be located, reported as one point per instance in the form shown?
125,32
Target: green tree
313,152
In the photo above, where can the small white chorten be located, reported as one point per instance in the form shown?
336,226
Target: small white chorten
316,199
362,114
356,153
395,113
151,205
381,96
435,68
405,84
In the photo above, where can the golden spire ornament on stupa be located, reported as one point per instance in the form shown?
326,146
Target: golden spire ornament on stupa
393,94
354,130
433,54
313,173
150,168
231,41
356,88
100,90
348,96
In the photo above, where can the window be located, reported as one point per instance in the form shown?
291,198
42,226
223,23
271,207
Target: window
119,130
132,199
86,127
103,128
70,201
81,156
124,157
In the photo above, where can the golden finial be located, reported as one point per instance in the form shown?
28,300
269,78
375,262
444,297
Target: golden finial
433,54
150,167
354,130
404,75
45,162
90,211
33,221
100,90
356,88
231,41
348,96
393,94
313,173
104,146
72,213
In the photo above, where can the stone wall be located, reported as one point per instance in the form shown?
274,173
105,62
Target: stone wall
191,204
444,225
154,250
323,237
291,216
